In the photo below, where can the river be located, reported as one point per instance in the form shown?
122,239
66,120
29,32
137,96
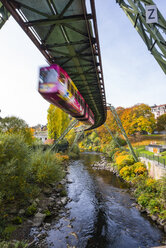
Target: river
100,212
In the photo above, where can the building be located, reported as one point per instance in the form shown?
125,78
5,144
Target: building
155,148
158,110
42,135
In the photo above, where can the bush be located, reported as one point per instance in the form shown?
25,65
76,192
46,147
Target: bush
139,168
145,198
17,220
62,145
13,244
163,188
75,152
31,210
127,173
14,161
46,167
123,160
154,206
8,231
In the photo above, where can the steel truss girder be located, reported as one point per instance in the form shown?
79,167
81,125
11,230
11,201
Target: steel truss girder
46,20
57,21
4,15
152,34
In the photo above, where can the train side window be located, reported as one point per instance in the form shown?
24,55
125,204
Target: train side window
62,78
68,85
72,90
76,96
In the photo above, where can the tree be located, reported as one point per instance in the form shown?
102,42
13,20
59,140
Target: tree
161,122
15,125
58,121
138,118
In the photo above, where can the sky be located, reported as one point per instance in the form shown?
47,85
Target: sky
131,74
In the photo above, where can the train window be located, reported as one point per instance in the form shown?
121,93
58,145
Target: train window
48,76
72,90
68,85
62,78
76,96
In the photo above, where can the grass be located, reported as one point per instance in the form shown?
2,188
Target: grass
150,155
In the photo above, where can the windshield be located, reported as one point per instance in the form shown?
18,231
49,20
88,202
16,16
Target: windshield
49,76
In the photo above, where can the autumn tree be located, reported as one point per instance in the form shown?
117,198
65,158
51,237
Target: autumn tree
58,121
161,122
15,125
138,118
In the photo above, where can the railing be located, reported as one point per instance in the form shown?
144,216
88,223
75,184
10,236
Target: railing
152,157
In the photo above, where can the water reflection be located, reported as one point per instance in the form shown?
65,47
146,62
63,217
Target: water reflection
100,212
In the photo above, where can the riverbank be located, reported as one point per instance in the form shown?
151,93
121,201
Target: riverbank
49,204
97,206
108,166
100,212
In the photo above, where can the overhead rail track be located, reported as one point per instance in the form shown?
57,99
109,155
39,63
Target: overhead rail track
66,34
153,34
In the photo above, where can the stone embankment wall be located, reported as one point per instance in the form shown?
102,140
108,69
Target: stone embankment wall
156,170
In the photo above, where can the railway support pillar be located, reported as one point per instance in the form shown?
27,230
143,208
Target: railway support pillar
78,135
70,126
113,137
119,123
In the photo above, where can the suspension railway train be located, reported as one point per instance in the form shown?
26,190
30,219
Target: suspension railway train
56,87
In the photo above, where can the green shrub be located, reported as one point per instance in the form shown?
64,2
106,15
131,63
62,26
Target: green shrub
17,220
31,210
14,161
47,213
63,193
154,206
144,199
8,231
46,168
73,155
163,188
76,149
13,244
97,141
162,214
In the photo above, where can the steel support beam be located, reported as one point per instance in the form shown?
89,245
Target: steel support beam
4,15
152,34
70,126
119,123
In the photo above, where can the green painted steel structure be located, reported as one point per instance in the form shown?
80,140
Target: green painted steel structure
4,15
66,34
154,35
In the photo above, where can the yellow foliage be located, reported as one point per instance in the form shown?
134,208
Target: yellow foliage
150,182
123,160
140,170
61,157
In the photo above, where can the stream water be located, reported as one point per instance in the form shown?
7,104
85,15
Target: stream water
100,213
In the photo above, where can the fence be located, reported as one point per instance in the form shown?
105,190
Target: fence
159,159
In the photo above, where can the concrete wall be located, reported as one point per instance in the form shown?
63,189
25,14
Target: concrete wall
155,170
